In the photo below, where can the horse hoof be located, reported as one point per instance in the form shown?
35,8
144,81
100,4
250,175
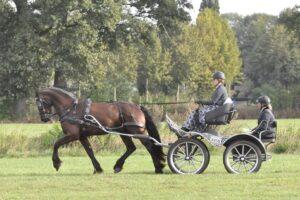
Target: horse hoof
98,171
159,171
57,165
117,169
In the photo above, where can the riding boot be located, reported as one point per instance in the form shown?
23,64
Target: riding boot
182,131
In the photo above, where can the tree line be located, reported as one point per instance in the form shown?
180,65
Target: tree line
270,50
134,49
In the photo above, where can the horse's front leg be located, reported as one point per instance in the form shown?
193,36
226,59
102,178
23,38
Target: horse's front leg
88,148
61,141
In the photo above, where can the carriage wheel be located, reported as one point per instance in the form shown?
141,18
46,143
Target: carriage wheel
242,157
188,156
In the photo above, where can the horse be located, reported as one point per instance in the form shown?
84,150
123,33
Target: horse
127,118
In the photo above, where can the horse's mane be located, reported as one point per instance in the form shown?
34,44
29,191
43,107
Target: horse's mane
63,92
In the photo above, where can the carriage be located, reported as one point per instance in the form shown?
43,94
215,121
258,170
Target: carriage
244,153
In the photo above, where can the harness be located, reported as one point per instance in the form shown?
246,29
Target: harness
90,120
71,109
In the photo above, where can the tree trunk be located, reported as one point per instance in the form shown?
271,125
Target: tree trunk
59,79
19,109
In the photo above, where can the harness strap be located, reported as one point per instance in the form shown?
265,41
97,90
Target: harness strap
69,110
120,113
88,103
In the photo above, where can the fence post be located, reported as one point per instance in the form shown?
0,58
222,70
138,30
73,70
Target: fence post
115,94
147,93
178,93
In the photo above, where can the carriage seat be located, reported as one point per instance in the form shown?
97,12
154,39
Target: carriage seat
221,115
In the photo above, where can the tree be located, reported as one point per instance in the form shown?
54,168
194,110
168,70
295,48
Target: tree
211,4
166,13
276,58
21,72
75,36
203,48
45,41
290,17
153,59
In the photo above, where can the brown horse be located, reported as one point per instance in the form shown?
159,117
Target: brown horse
128,118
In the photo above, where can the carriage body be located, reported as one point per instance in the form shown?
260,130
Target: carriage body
244,153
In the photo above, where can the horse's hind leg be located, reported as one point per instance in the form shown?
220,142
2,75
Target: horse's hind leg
130,149
61,141
87,146
152,149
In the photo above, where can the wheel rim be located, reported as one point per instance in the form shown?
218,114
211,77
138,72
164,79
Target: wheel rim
242,158
187,158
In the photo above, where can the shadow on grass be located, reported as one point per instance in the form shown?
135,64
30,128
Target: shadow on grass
46,175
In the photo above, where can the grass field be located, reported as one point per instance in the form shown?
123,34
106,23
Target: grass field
25,140
26,174
32,130
34,178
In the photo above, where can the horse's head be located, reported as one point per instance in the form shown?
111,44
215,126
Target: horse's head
44,104
61,100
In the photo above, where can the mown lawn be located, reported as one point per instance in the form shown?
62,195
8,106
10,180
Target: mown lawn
34,178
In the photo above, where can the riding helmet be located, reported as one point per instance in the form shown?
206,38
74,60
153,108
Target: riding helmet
219,75
263,100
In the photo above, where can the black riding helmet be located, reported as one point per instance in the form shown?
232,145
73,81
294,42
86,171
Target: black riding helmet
219,75
265,100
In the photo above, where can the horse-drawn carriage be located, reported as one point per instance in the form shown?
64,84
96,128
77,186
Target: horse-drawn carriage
187,155
244,152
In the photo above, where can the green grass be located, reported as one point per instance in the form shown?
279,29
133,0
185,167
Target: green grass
23,176
32,130
34,178
29,130
23,140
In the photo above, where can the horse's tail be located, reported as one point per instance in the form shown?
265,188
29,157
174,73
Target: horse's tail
153,132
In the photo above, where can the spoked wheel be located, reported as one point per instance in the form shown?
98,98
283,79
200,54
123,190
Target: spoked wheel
188,156
242,157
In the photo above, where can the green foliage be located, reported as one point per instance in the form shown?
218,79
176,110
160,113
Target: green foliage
97,47
20,68
270,58
211,4
74,39
281,97
166,13
277,57
203,48
290,17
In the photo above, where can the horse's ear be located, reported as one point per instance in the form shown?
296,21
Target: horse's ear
36,94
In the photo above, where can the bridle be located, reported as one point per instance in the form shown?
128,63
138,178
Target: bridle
43,104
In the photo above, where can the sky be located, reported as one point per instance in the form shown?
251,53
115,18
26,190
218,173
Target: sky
248,7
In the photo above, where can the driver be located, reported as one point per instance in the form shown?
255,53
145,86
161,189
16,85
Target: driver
196,120
265,119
